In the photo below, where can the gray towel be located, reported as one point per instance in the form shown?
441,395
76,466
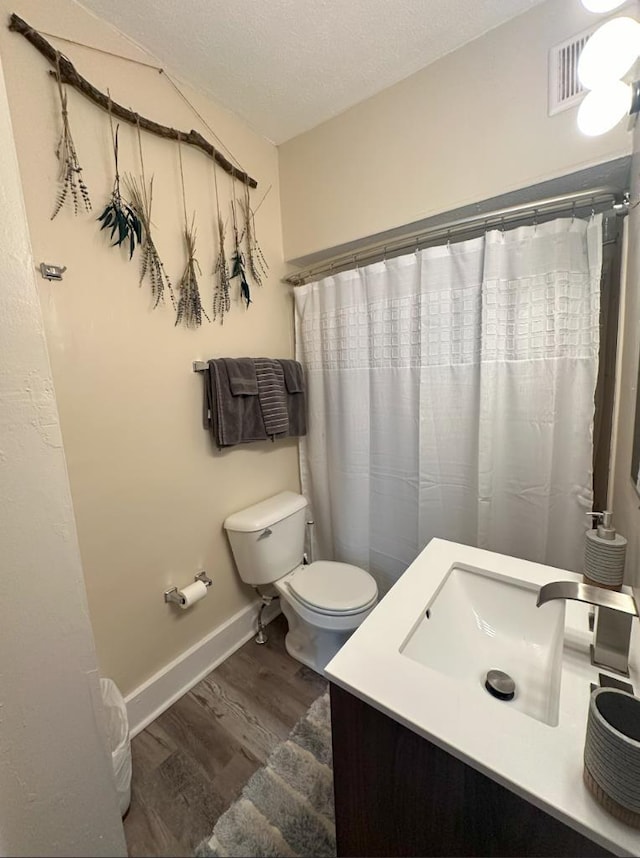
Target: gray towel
293,376
242,376
234,419
296,400
272,396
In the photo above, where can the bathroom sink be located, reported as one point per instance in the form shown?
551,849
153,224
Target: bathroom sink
478,621
428,675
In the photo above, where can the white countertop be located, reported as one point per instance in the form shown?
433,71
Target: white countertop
541,763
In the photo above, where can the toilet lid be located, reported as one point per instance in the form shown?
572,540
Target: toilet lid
335,587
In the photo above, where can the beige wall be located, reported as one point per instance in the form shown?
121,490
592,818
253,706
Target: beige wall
149,493
626,502
57,795
469,127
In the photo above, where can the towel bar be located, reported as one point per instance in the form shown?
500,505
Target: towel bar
200,366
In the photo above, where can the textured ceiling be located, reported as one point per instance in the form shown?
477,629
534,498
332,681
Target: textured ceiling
284,66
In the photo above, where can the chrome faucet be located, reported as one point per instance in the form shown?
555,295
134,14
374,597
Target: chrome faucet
610,647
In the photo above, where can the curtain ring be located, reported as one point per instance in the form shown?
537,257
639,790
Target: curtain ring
573,212
535,220
384,254
449,240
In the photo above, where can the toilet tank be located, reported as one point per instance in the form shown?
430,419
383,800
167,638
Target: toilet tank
267,539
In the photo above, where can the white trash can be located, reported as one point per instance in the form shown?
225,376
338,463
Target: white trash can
119,742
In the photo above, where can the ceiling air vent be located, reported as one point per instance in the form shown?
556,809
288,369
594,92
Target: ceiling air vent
565,90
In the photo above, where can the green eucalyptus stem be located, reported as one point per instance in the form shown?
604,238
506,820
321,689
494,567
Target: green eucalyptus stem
118,214
237,262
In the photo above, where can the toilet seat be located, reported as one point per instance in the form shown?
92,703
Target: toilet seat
337,589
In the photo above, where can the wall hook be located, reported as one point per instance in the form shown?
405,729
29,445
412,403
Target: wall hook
52,272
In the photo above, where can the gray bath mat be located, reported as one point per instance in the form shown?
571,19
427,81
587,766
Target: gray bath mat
286,808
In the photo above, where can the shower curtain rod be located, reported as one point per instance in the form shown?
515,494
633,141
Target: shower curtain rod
596,200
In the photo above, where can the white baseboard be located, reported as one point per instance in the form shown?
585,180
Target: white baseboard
150,699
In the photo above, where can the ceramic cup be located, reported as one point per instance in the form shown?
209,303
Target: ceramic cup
612,748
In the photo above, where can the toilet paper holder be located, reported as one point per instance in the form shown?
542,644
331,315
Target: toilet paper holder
174,595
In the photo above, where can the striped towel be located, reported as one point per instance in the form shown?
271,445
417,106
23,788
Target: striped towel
272,396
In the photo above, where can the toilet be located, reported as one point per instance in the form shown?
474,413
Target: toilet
324,602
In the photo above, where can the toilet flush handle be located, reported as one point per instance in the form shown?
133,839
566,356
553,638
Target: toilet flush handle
266,532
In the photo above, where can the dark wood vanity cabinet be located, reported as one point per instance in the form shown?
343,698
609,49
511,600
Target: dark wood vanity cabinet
398,794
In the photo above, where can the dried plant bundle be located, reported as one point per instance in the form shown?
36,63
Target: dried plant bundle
237,262
118,214
72,185
151,265
238,270
258,266
222,290
190,310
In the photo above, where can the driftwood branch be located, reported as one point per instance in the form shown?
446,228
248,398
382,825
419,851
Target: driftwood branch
70,76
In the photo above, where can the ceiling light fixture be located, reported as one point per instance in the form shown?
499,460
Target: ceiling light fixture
600,6
603,108
609,53
606,59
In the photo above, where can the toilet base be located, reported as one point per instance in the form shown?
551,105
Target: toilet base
312,646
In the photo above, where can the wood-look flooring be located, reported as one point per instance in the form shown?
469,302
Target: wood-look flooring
191,763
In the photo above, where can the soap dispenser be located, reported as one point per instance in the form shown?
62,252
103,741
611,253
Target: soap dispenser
604,553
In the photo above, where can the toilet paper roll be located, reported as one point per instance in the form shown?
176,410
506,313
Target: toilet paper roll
192,594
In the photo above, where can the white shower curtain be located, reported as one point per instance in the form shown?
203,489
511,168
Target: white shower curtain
451,394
